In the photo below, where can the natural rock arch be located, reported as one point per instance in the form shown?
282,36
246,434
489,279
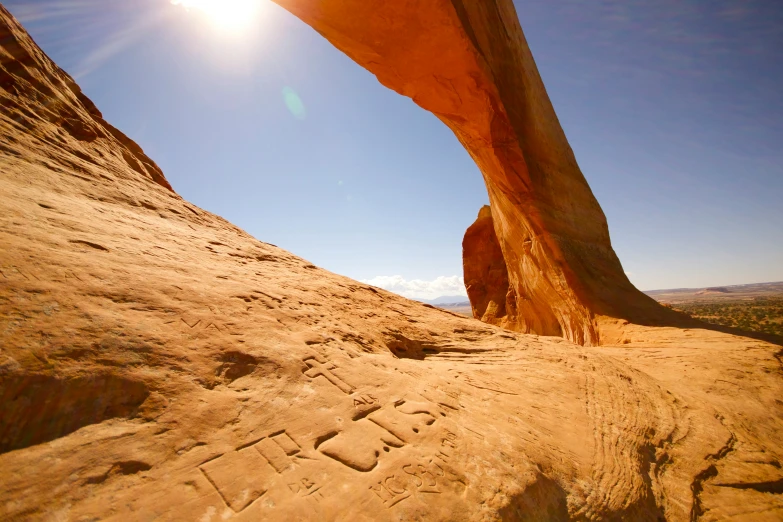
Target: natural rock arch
469,64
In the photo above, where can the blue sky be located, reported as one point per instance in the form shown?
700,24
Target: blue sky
673,108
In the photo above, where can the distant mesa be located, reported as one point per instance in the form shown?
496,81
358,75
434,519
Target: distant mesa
714,290
678,296
445,299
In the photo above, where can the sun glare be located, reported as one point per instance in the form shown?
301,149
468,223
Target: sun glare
228,15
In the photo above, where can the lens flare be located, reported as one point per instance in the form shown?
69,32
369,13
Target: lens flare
294,103
228,15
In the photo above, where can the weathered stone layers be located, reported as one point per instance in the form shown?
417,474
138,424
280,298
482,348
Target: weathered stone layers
469,64
35,92
486,274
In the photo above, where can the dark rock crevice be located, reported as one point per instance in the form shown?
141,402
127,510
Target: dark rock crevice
40,408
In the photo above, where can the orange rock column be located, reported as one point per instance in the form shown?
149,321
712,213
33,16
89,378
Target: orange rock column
486,274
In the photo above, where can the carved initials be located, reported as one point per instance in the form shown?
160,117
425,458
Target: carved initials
316,368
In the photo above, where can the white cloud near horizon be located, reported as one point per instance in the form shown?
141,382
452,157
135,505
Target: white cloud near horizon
418,288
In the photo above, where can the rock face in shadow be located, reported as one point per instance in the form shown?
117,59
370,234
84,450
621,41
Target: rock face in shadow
40,408
158,363
469,64
486,274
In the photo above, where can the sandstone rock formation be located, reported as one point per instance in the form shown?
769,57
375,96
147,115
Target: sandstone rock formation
486,274
158,363
468,63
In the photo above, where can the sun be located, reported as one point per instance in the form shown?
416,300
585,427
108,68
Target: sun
227,15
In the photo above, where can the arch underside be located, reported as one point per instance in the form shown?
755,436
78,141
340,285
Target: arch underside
469,64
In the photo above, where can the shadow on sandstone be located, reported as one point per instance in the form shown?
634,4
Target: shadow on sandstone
40,408
759,336
543,500
681,320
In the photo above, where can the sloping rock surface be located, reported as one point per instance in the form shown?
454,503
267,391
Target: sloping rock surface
158,363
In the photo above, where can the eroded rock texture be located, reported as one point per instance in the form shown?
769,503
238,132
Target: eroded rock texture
486,274
158,363
469,64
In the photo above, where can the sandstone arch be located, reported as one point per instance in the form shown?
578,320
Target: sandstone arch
468,63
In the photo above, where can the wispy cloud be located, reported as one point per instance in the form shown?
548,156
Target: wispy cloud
418,288
89,33
118,42
28,12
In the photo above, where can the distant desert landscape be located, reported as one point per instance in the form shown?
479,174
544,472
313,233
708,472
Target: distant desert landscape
754,307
